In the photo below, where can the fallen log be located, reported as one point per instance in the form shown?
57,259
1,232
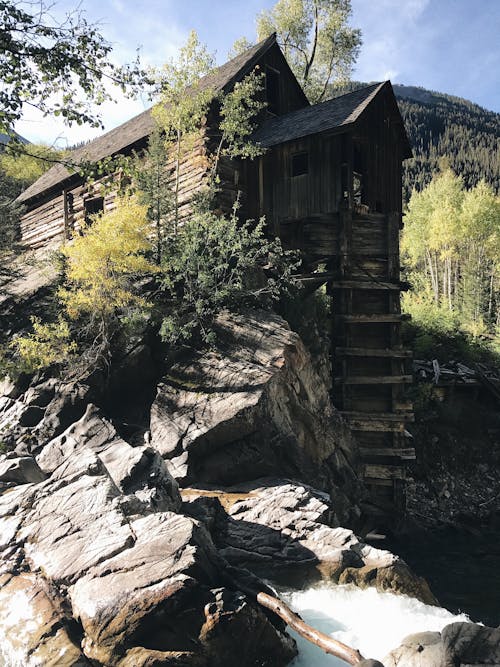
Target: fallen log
325,642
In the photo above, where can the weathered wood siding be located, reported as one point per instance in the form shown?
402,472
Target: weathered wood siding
62,214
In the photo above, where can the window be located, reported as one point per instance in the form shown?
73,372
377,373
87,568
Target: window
300,164
93,206
273,90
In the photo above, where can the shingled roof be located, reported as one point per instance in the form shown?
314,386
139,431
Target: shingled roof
339,112
128,134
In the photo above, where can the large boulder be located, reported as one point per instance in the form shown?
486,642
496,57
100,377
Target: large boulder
458,645
272,524
30,419
98,565
253,407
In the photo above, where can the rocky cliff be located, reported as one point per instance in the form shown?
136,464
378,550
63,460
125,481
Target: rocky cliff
116,552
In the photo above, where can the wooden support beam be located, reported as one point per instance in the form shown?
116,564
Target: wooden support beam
404,453
366,285
375,379
370,319
385,427
380,416
331,277
386,473
371,352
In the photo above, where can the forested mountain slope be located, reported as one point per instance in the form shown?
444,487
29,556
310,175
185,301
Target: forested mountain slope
440,125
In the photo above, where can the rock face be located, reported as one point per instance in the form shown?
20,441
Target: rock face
97,564
459,644
104,563
254,407
29,419
278,524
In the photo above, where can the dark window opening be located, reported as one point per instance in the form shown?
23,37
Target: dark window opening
357,187
93,206
358,177
273,90
300,164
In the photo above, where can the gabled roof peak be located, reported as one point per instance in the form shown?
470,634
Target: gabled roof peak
134,130
337,113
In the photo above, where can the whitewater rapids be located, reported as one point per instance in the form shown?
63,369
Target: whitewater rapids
374,623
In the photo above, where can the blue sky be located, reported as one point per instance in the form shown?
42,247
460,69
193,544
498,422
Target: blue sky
451,46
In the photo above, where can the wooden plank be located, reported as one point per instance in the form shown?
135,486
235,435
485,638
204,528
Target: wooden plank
369,352
370,319
404,453
375,379
380,416
383,472
380,482
385,427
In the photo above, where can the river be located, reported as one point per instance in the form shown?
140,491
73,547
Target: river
462,568
374,623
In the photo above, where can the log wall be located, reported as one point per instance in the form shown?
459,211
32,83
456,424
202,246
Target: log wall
62,214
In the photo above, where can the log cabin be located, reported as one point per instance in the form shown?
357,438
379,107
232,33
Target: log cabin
329,184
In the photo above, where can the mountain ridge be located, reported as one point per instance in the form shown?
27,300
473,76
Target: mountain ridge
440,126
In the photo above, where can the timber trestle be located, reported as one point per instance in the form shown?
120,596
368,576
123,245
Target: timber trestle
371,369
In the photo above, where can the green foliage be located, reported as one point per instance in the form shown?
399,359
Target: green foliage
316,39
103,262
435,332
183,103
440,125
103,267
46,345
239,110
241,45
26,163
100,304
451,246
151,178
216,263
61,68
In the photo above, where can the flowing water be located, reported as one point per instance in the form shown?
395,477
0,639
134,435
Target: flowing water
374,623
461,567
463,570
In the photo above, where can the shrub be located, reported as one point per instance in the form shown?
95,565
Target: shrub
216,263
46,345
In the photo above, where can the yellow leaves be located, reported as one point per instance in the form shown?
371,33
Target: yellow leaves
28,163
103,262
45,345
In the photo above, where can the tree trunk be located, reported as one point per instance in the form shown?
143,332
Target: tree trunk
177,179
325,642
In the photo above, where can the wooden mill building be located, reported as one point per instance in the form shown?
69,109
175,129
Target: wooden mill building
329,184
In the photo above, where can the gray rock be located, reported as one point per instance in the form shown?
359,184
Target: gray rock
35,632
136,471
30,420
278,523
19,470
91,547
254,407
458,645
